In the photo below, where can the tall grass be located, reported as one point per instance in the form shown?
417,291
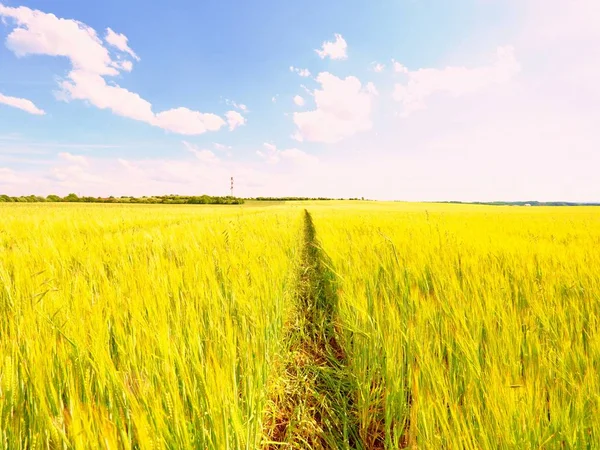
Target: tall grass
140,326
470,327
449,326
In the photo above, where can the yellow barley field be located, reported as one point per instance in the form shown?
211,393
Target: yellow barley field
470,326
140,326
356,325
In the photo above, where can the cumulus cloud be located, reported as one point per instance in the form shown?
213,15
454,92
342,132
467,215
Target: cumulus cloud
159,176
10,177
454,81
203,155
269,154
75,175
553,23
21,103
301,72
127,164
91,87
185,121
180,174
127,66
234,119
298,156
378,67
120,42
272,155
398,67
343,108
371,89
76,159
334,50
39,33
298,100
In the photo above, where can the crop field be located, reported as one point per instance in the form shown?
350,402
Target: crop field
341,325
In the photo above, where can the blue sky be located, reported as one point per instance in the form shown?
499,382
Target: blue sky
403,99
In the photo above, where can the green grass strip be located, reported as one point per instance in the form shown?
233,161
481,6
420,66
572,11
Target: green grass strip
314,404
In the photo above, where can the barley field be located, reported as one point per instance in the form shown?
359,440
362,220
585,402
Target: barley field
299,325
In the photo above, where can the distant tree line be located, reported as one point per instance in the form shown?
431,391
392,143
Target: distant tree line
160,199
531,203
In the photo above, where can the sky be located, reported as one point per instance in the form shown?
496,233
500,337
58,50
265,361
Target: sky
472,100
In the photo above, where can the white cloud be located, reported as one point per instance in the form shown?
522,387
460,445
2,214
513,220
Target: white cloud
335,50
343,109
76,159
83,85
236,105
378,67
560,44
301,72
185,121
399,68
553,23
94,89
298,100
184,176
38,33
269,154
10,177
272,155
73,176
206,156
127,66
159,176
371,89
45,34
298,156
127,164
455,81
21,103
120,42
222,147
234,119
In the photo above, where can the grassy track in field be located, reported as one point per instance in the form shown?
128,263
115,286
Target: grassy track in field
313,406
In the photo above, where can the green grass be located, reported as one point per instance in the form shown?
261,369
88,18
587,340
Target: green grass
313,403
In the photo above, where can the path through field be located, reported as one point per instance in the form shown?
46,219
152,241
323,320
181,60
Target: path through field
317,410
